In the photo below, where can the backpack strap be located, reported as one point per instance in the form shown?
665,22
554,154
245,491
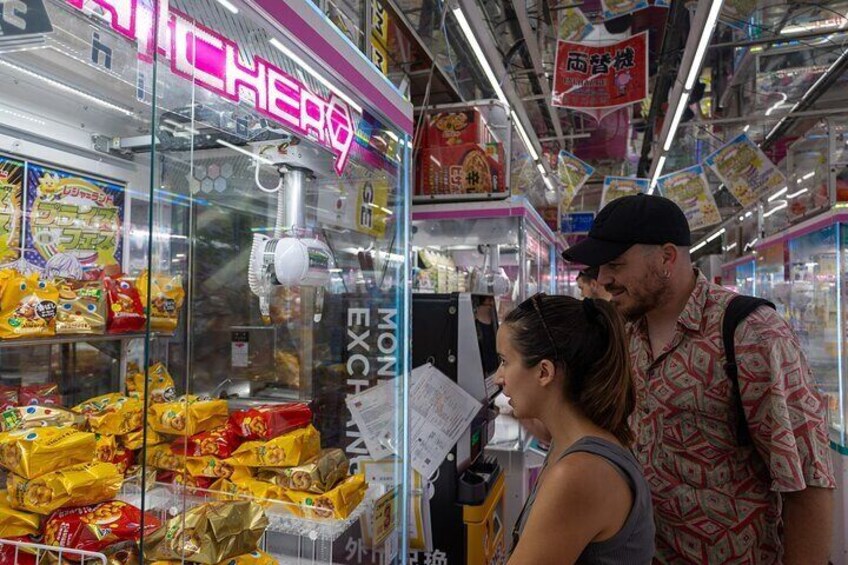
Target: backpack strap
739,308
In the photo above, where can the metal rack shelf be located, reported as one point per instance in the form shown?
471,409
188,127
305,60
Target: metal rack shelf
58,340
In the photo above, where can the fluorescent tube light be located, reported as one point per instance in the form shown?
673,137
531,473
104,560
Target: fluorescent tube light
703,43
524,137
478,52
716,234
541,168
229,6
809,175
657,173
549,183
316,75
69,89
797,194
697,247
675,120
778,194
783,205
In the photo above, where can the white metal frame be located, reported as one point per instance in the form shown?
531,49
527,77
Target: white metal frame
84,557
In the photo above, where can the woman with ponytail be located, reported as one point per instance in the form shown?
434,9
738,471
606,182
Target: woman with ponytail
565,362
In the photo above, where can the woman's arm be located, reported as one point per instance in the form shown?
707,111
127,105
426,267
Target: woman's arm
580,499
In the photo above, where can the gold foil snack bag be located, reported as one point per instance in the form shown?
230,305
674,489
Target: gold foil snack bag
135,440
82,307
161,387
15,523
209,533
188,415
337,503
78,485
166,299
318,475
28,307
35,416
288,450
112,414
31,453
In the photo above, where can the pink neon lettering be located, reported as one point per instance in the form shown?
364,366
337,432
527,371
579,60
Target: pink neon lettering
239,77
312,113
283,94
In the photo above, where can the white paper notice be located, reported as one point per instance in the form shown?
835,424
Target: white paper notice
440,412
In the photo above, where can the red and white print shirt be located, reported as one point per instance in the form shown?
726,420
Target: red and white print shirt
714,500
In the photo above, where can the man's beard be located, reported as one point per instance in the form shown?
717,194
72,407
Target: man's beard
650,294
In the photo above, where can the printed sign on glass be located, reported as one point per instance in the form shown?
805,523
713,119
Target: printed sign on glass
690,190
11,192
619,187
745,170
573,174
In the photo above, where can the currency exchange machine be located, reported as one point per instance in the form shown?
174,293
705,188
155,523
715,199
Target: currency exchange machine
456,333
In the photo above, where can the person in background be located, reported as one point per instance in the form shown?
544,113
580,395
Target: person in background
587,282
719,496
565,363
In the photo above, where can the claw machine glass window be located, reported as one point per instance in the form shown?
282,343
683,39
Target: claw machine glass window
203,258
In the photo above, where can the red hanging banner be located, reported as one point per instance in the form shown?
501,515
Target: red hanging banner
597,79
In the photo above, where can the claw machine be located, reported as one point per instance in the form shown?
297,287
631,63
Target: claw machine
204,255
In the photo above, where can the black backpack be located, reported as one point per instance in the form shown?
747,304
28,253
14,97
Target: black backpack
739,308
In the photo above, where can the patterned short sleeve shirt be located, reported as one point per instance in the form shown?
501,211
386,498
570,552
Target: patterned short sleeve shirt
714,500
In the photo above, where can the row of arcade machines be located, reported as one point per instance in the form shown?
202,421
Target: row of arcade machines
474,263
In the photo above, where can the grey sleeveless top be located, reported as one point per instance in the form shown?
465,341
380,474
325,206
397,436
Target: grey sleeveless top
634,542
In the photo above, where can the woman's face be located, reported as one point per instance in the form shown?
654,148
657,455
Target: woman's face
521,384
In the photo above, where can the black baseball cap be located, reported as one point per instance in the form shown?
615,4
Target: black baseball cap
624,222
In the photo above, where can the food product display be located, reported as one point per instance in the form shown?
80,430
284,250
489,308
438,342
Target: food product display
26,417
209,533
76,485
207,466
123,459
82,307
288,450
220,442
27,306
126,313
161,457
112,414
135,440
188,415
97,527
106,448
338,502
268,422
160,387
32,453
15,523
318,475
25,555
42,394
8,396
166,299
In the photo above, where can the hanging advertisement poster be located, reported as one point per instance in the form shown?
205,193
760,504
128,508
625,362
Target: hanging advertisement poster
598,79
573,174
614,8
618,187
745,170
73,222
11,192
573,25
690,190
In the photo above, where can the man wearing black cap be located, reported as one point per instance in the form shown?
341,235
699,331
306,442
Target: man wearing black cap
718,498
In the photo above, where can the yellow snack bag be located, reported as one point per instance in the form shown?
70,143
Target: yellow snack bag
188,415
257,557
16,523
336,503
82,307
287,450
161,457
208,467
105,448
30,453
248,488
35,416
77,485
112,414
161,386
166,299
135,440
28,307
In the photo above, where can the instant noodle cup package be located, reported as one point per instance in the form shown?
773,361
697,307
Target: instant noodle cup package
82,307
105,448
318,475
160,388
112,414
28,307
125,312
209,533
31,453
16,523
166,299
42,394
268,422
27,417
220,442
77,485
97,527
187,416
289,450
336,503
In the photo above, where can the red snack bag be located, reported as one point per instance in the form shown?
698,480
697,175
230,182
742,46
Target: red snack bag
123,460
191,483
273,420
26,556
126,313
9,397
44,394
220,442
96,527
